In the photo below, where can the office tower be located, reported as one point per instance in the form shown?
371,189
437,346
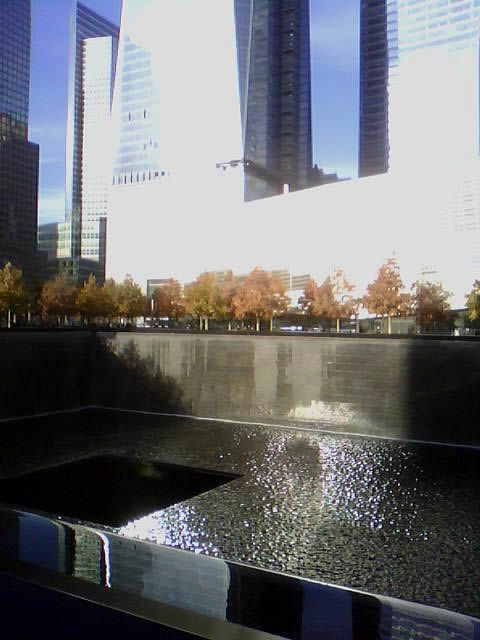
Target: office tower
175,83
18,156
273,42
419,78
176,105
93,53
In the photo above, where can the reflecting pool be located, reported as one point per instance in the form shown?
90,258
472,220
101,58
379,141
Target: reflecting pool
383,516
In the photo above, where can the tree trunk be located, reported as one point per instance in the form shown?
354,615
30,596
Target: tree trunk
271,324
338,325
200,322
206,323
257,323
9,319
389,325
229,325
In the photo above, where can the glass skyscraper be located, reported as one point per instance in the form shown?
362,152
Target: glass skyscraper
18,156
419,81
175,91
90,91
273,41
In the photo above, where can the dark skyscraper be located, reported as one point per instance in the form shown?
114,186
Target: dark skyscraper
373,143
273,42
18,156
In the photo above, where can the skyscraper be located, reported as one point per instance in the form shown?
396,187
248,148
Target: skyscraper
273,42
163,88
93,53
18,156
419,77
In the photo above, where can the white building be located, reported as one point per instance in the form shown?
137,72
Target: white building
98,66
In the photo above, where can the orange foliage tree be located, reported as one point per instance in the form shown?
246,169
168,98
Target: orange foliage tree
58,298
384,295
261,296
332,300
168,300
431,306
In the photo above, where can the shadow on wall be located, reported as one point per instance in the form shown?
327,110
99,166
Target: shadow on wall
54,371
123,378
44,371
443,396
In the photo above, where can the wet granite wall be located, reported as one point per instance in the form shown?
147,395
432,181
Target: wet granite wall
412,388
419,389
44,371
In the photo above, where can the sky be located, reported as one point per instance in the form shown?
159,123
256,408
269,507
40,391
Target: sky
334,54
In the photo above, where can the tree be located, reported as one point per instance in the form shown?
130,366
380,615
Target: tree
202,299
130,299
384,296
228,289
431,306
307,302
473,302
58,298
345,304
94,301
319,300
168,300
13,296
260,295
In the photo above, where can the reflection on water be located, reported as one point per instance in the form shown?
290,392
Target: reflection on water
360,513
381,516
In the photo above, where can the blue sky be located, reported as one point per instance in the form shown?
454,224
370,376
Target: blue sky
334,48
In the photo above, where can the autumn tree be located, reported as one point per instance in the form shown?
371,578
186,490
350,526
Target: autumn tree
228,289
473,302
325,300
319,300
384,296
202,299
345,305
168,300
430,304
58,298
261,296
130,300
94,301
308,301
13,295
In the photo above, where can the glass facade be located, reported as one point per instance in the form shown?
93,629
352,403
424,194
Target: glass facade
137,152
373,143
176,104
14,68
98,73
85,24
18,156
273,42
419,83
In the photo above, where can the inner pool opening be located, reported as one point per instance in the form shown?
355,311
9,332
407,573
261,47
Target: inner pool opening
109,490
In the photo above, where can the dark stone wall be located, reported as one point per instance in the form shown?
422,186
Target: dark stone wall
407,388
44,371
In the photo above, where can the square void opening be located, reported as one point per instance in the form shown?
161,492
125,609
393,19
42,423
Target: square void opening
109,490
